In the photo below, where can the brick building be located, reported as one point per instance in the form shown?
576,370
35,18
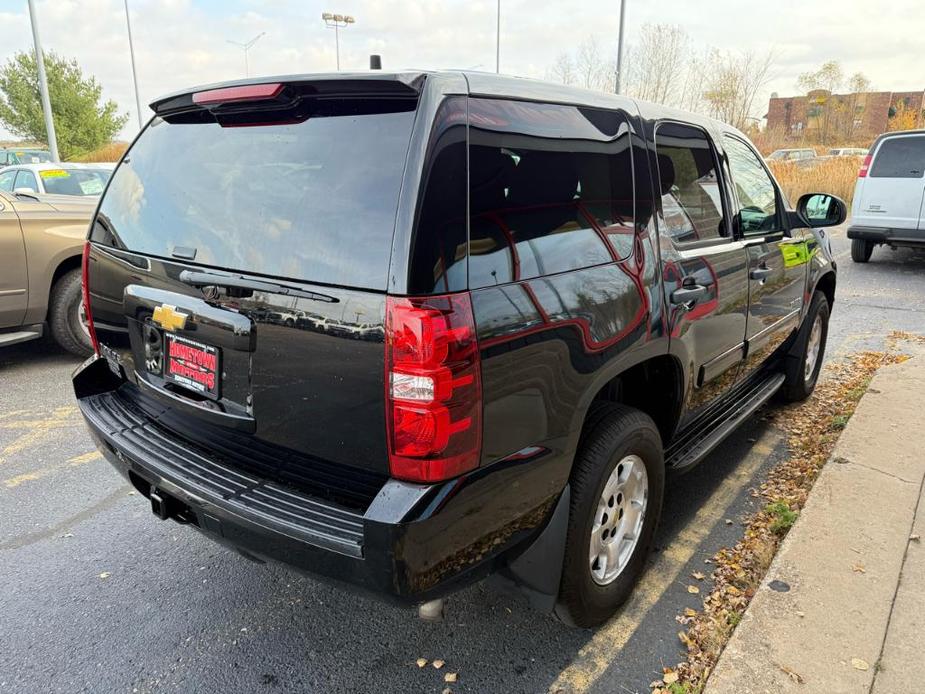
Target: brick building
824,116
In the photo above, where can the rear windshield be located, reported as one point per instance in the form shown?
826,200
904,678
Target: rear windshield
900,157
314,200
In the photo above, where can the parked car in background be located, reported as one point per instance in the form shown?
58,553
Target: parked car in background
847,152
516,348
889,196
41,241
24,156
796,155
56,179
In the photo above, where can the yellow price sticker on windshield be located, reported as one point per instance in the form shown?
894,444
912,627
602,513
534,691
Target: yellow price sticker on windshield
54,173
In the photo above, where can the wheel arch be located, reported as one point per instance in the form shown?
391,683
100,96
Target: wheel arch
64,266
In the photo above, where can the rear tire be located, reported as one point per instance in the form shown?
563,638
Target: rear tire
618,443
64,315
802,367
861,250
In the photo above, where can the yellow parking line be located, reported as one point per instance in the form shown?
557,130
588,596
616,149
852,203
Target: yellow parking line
44,472
595,656
38,428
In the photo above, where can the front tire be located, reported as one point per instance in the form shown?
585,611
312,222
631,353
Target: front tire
617,485
861,250
802,366
64,315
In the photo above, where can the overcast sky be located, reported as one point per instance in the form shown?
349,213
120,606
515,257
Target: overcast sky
179,43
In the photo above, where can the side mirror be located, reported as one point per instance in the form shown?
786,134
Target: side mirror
24,190
821,210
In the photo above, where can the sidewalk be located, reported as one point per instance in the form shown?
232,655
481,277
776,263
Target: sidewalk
842,608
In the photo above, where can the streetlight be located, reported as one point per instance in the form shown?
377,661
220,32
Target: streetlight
498,41
131,50
335,22
619,77
247,46
43,84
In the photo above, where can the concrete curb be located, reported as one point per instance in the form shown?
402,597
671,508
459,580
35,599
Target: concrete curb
847,587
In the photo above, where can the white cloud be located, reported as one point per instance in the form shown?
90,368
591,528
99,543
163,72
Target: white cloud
180,43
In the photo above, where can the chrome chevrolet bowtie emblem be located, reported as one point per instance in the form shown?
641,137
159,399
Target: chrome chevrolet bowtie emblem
169,318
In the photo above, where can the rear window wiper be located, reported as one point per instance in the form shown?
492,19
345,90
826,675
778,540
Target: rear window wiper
209,279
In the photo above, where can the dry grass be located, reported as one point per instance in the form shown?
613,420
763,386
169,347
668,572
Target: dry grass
111,152
835,176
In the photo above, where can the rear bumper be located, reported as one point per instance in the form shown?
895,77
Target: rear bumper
888,235
413,543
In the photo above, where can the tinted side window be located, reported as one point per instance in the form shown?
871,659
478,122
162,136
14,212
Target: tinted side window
438,247
692,208
754,188
899,157
26,179
550,190
6,180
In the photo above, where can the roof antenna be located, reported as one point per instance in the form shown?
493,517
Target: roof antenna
375,62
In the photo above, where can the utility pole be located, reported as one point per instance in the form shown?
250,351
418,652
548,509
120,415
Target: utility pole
131,51
43,84
619,76
498,41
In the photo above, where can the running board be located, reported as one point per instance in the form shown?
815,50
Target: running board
20,336
692,444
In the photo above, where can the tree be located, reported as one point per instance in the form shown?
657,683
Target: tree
659,64
828,77
732,82
82,122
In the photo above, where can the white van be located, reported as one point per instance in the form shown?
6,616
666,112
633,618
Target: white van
889,196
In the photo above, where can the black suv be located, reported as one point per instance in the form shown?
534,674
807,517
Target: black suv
520,306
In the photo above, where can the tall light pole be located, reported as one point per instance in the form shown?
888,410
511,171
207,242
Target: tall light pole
131,51
247,45
619,76
498,40
43,84
335,22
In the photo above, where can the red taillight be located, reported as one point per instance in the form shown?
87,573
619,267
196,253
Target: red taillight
85,294
433,387
248,92
865,167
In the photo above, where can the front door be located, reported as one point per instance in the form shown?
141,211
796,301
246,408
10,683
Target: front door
777,263
704,268
13,276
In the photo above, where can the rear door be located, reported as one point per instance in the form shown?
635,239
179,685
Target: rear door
777,264
704,268
14,278
215,228
891,195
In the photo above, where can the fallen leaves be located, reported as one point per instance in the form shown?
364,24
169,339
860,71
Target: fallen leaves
858,568
812,428
859,664
438,663
792,674
450,677
421,662
699,575
105,574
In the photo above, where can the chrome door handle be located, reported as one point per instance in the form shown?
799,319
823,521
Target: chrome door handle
688,295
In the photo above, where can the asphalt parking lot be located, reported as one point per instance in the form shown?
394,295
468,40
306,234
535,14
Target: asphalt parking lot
99,595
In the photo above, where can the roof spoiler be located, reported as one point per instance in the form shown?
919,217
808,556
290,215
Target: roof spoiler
278,91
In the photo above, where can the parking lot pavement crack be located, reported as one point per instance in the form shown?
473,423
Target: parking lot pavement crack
882,307
101,505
